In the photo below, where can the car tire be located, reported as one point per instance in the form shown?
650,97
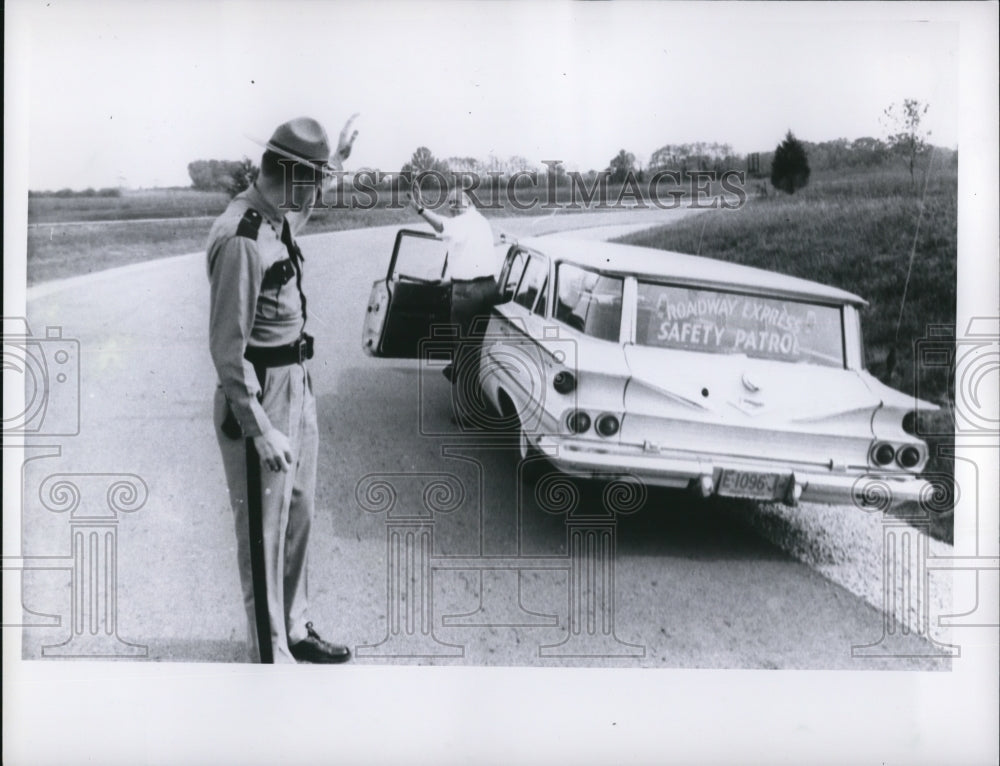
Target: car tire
470,401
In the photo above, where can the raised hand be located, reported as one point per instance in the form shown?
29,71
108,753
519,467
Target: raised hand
346,141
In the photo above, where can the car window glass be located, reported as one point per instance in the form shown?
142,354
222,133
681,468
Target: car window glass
717,322
861,343
512,274
542,299
589,302
531,282
419,257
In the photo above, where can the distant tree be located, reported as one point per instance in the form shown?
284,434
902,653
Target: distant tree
828,155
107,191
906,136
464,164
790,166
221,175
201,175
243,175
556,168
518,164
684,158
422,161
869,151
493,164
621,165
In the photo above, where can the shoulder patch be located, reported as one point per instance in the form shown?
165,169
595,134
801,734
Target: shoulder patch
249,225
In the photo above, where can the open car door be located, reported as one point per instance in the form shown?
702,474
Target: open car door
411,299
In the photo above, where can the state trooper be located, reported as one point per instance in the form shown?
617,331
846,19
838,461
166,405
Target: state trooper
265,413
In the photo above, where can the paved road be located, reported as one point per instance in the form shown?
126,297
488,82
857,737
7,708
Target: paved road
687,583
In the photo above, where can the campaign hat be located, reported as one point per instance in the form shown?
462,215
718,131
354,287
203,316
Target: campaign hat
303,140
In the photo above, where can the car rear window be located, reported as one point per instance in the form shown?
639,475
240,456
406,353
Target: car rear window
589,301
718,322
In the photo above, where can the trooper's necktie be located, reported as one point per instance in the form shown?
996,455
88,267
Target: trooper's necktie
295,254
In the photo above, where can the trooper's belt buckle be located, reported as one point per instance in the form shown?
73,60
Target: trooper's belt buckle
305,347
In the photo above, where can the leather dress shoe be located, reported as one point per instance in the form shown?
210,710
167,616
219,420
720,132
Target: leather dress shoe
314,649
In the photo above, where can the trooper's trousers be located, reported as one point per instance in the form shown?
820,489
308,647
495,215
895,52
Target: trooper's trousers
272,513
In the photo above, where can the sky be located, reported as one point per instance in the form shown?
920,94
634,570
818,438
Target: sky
128,93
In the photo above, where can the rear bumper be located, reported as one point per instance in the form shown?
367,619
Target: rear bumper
808,483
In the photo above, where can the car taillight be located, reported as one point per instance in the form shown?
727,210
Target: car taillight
578,421
883,453
908,456
564,382
606,424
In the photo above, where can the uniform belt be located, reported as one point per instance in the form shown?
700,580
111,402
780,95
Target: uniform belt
279,356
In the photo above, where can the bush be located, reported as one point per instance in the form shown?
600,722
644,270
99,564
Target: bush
242,176
790,167
232,176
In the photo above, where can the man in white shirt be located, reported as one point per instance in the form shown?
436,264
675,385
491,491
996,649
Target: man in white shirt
471,267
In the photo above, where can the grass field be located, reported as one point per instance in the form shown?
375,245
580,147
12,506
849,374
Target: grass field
81,235
63,250
131,205
856,231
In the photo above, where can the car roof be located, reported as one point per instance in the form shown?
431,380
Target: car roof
617,258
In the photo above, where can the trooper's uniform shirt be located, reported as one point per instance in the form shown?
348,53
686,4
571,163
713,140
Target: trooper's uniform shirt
255,298
257,303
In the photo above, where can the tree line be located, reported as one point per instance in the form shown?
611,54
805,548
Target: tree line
789,165
108,191
907,137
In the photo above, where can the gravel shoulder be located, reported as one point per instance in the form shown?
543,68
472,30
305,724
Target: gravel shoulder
850,547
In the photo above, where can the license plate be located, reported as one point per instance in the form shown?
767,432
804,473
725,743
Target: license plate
749,484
